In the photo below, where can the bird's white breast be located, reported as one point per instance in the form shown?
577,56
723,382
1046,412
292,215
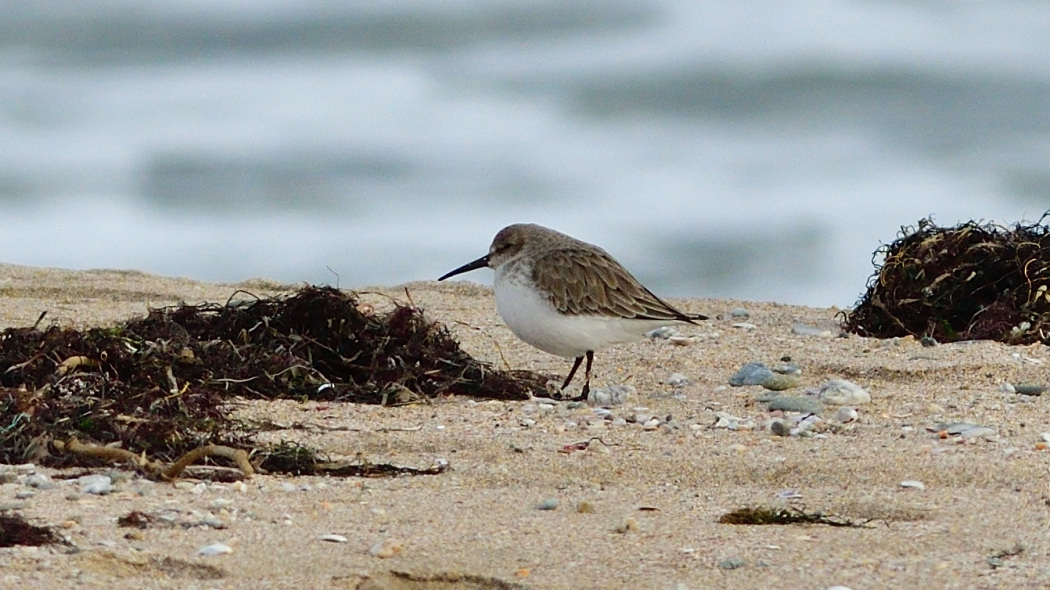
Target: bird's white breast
532,318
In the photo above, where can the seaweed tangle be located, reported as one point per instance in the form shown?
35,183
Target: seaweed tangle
969,282
160,384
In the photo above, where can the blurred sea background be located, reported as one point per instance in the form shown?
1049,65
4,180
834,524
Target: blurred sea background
728,148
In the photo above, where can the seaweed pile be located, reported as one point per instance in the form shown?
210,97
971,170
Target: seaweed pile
159,385
968,282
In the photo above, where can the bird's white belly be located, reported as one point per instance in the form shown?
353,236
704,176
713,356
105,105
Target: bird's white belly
532,318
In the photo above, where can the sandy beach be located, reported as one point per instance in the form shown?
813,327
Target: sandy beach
638,508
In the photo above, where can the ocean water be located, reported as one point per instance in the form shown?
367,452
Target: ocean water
757,150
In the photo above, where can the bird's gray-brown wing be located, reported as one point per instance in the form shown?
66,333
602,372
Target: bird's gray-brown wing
590,282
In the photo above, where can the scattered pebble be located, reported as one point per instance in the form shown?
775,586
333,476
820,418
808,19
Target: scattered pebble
548,504
805,426
788,403
387,548
778,382
613,395
788,368
662,333
753,373
731,422
95,484
964,430
214,549
1029,389
739,313
780,428
8,506
845,415
732,563
1007,387
928,341
585,507
804,330
678,380
682,340
913,484
839,392
978,432
745,326
334,538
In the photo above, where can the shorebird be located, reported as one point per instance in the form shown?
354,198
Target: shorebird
567,297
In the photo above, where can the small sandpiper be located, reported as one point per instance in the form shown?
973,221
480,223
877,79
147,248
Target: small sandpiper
568,297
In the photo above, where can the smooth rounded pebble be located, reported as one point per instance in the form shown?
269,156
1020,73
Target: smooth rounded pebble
732,563
780,428
789,403
739,313
95,484
845,415
978,432
614,395
1029,389
334,538
778,382
788,368
913,484
548,504
804,330
753,373
678,380
214,549
839,392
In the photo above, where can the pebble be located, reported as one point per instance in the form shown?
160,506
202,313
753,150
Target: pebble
804,330
753,373
678,380
39,480
8,506
731,422
95,484
913,484
978,432
779,428
739,313
663,333
732,563
682,340
1045,436
1007,387
24,494
613,395
387,548
788,403
585,507
548,504
788,368
845,415
805,426
25,469
8,477
1029,389
745,326
214,549
965,430
334,538
928,341
778,382
839,392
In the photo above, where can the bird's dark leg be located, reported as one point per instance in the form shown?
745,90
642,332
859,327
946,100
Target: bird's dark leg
572,372
587,376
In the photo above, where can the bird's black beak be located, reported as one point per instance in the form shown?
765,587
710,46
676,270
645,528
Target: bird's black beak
479,263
